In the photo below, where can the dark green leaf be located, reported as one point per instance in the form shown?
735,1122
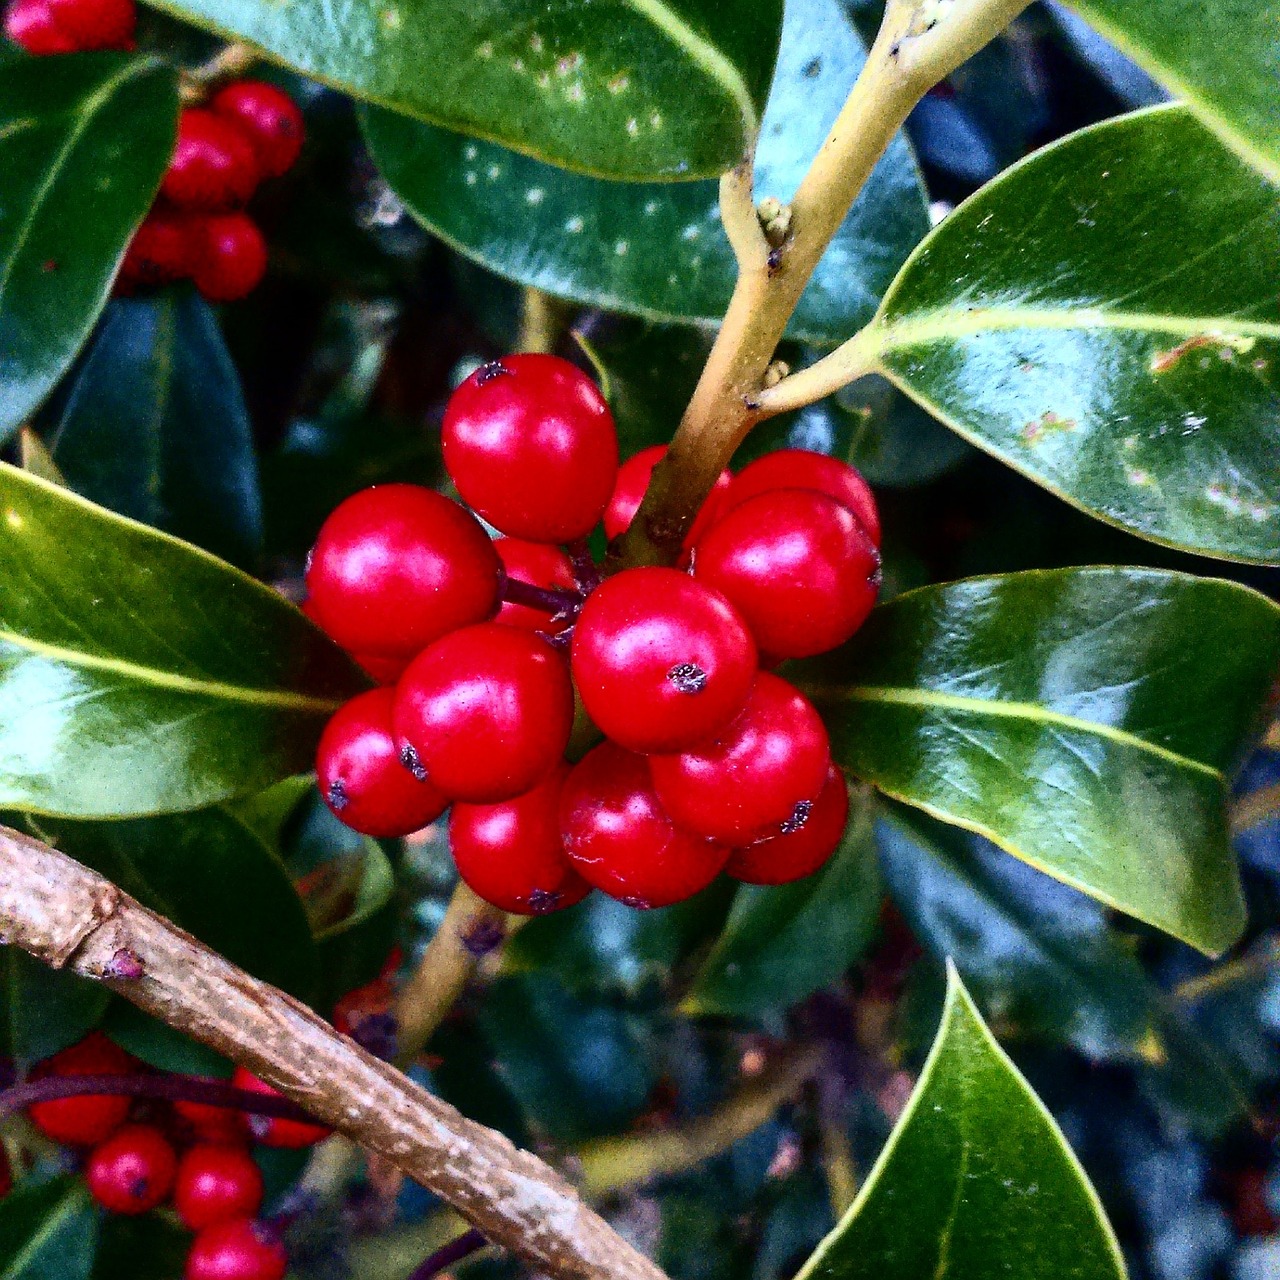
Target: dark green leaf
781,943
84,141
1220,56
1083,719
636,89
139,675
658,251
354,949
48,1232
44,1009
159,1045
975,1182
146,1248
155,426
1104,318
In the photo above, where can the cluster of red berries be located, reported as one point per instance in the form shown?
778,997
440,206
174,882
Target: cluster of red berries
191,1154
249,131
709,763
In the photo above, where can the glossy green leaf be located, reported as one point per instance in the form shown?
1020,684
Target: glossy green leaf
139,675
155,427
1083,719
90,132
632,89
1221,56
43,1010
1104,318
659,251
48,1231
782,942
975,1182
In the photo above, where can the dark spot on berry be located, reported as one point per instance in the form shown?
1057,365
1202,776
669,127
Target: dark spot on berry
688,677
484,937
377,1033
799,816
338,798
139,1187
487,372
543,900
411,761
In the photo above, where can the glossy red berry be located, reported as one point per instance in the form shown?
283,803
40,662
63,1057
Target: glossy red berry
272,1131
89,1119
629,490
268,117
31,24
386,670
362,778
540,565
512,855
164,248
132,1171
237,1250
216,1184
800,851
231,256
531,445
213,165
804,469
398,566
488,711
757,778
797,565
622,841
223,1125
96,24
662,662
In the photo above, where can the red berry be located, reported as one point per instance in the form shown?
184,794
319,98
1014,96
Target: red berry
488,710
269,118
361,775
629,490
86,1120
163,249
132,1171
6,1174
216,1184
213,165
540,565
622,841
398,566
758,777
799,567
511,853
1251,1210
31,24
661,661
231,256
804,469
801,851
531,445
223,1125
385,669
271,1131
96,24
237,1250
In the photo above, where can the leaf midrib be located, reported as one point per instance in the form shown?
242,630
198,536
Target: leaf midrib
74,1199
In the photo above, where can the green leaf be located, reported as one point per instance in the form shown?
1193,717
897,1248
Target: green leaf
1221,57
146,1248
140,675
633,89
44,1009
154,426
975,1182
782,942
84,141
48,1231
354,949
659,251
1082,719
1104,318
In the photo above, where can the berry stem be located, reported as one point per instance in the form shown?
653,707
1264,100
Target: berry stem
586,573
564,604
542,321
229,63
448,1255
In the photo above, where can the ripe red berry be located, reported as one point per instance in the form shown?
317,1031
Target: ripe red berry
163,249
272,1131
386,670
216,1184
531,445
89,1119
362,778
804,469
511,853
488,710
661,661
799,567
398,566
96,24
6,1174
802,850
31,24
213,165
629,490
269,118
231,256
757,778
540,565
621,840
223,1125
132,1171
237,1250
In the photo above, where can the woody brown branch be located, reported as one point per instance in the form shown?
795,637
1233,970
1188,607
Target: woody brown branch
70,917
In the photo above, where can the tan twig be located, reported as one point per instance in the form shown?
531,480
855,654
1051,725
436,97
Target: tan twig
1254,809
230,62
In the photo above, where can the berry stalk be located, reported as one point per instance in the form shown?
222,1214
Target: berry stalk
560,604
